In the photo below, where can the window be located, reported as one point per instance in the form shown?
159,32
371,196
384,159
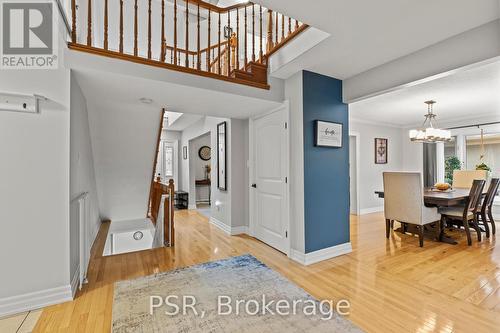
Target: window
450,148
169,161
491,152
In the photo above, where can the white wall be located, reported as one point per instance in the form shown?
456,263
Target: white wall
197,165
221,203
370,175
239,173
35,191
293,93
124,137
82,175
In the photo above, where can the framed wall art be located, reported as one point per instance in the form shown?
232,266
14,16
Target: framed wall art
221,156
381,151
327,134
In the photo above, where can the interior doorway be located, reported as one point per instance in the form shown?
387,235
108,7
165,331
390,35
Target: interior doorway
354,172
200,170
269,172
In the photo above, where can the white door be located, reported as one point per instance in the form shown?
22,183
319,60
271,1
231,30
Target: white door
270,172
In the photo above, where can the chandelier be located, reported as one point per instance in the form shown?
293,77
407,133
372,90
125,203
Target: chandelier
428,133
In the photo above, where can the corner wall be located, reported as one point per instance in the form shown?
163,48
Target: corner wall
34,192
326,170
82,175
370,174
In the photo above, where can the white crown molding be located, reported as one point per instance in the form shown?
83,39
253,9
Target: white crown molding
374,122
35,300
320,255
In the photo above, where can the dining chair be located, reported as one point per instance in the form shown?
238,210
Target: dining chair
467,215
464,178
404,202
486,213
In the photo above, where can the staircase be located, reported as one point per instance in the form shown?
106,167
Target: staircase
232,43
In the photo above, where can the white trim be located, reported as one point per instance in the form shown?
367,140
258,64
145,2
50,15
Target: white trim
192,206
251,165
239,230
307,259
374,122
75,281
371,210
357,135
35,300
221,225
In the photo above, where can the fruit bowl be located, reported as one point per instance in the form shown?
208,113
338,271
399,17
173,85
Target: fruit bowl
442,186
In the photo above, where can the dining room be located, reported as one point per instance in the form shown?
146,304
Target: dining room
429,157
426,183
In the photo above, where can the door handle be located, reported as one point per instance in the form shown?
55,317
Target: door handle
254,185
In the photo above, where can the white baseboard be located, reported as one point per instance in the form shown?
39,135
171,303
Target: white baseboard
35,300
232,231
192,206
239,230
371,210
75,281
222,226
320,255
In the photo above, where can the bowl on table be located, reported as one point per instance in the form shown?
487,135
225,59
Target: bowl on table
442,186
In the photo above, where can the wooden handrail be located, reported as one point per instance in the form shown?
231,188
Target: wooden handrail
155,161
158,191
232,52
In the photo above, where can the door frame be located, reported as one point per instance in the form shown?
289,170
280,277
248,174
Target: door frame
251,167
357,135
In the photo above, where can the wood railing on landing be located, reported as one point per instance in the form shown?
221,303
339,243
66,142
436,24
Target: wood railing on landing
187,35
157,193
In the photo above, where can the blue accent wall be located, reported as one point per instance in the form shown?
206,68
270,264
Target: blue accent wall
326,170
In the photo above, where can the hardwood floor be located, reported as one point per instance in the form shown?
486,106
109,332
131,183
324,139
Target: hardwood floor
393,285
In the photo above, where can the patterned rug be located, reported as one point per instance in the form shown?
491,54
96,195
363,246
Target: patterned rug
216,287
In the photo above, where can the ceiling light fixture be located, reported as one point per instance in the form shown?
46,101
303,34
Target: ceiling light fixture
428,133
145,100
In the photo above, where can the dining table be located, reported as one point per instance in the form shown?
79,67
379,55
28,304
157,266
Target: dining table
436,198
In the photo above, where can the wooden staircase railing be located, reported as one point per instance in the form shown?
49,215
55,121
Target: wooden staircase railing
187,35
157,193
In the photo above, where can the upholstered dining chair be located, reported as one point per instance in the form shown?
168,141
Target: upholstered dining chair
467,216
404,202
486,213
464,178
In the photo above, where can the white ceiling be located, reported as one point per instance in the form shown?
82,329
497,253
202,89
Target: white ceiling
101,87
183,122
368,33
470,94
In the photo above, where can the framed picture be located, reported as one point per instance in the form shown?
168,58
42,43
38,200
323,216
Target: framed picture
327,134
221,156
185,152
380,151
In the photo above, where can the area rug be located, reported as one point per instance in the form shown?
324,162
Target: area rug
148,304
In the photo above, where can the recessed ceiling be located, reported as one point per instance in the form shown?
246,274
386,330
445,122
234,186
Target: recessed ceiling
366,34
469,94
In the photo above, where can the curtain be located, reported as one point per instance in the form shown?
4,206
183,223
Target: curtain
430,164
